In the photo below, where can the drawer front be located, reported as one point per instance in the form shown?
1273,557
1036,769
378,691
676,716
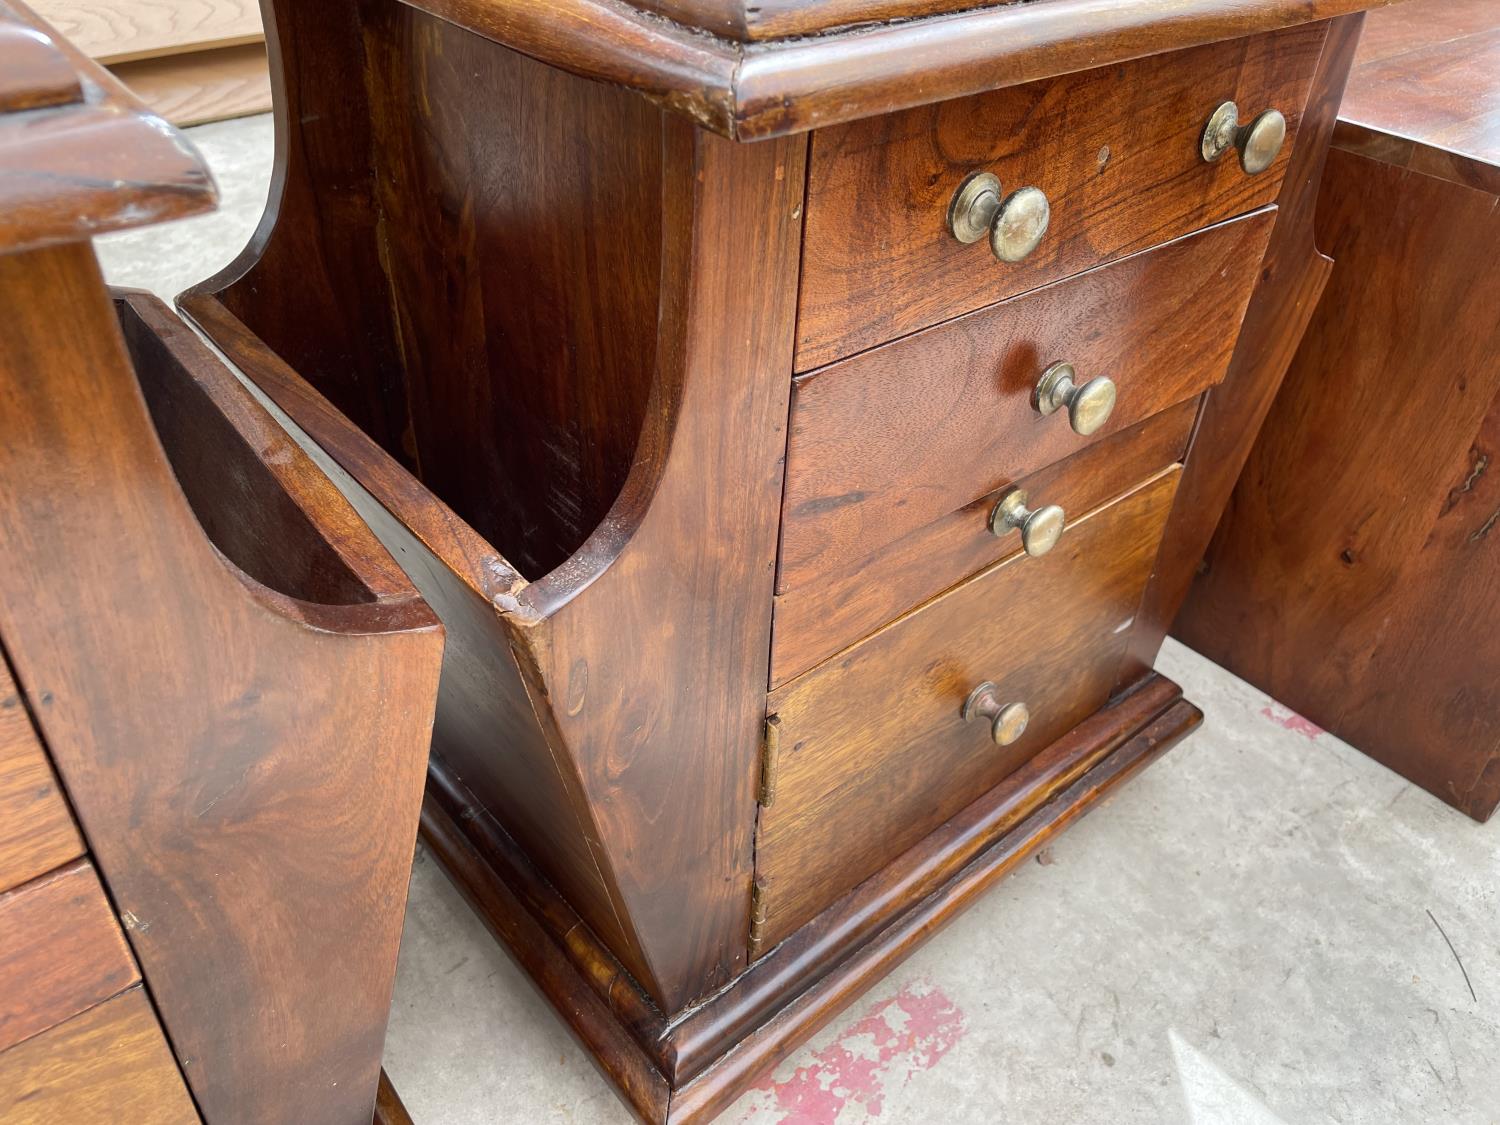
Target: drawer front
37,832
874,750
61,952
887,442
107,1066
815,621
1117,151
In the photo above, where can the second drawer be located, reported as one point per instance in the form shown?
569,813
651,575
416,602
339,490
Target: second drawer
892,440
875,751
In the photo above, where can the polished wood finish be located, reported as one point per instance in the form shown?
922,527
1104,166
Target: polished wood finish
61,952
548,352
233,679
250,786
107,1065
389,1109
815,621
1116,150
1293,274
1367,601
603,778
1422,93
876,750
803,82
37,832
721,1046
887,442
56,135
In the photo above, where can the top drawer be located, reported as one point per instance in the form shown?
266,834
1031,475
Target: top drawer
1117,151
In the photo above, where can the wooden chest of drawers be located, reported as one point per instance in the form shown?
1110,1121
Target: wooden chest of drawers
805,425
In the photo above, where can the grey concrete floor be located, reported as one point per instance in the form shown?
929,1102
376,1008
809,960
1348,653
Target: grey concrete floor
1251,933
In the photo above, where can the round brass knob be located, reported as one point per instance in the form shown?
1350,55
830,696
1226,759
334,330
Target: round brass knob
1089,406
1040,529
1007,720
1258,142
1015,223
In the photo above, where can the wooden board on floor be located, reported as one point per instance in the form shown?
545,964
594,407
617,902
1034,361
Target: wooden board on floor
118,31
207,86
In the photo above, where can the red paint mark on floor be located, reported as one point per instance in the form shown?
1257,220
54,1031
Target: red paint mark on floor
896,1039
1292,721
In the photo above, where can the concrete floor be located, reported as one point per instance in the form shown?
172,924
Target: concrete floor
1251,933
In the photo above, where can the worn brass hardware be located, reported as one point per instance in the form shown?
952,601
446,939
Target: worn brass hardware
770,761
1007,720
1258,142
1015,223
1089,406
758,916
1040,529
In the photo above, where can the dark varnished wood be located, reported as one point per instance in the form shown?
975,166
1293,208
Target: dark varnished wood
1356,574
875,751
1115,149
245,761
37,832
755,91
815,621
62,118
891,440
547,231
105,1066
601,774
720,1047
1423,93
1293,274
389,1109
61,952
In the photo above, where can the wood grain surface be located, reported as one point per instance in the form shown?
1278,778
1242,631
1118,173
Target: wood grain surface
106,1066
1115,149
116,31
61,952
602,777
246,762
83,167
1293,274
815,621
207,86
37,832
722,1046
803,82
1356,574
1423,93
891,440
876,752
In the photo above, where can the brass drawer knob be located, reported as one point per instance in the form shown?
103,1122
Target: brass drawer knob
1089,406
1007,720
1040,529
1015,223
1259,142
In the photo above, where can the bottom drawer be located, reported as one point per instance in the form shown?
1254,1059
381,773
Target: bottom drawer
875,751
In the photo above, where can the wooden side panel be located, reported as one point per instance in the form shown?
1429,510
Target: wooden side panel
817,620
1292,278
37,832
247,768
61,951
892,440
524,250
1356,574
657,670
106,1066
875,751
1115,149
